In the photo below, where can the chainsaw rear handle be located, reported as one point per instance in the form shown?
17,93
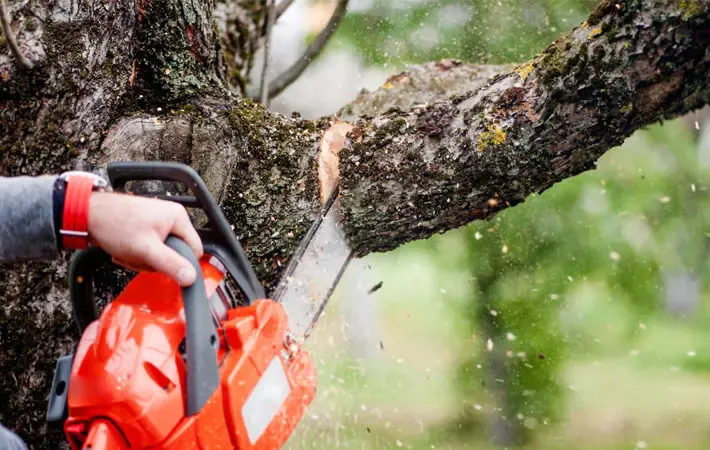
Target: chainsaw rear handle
217,234
201,335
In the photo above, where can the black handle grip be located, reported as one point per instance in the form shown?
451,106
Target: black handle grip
121,173
201,335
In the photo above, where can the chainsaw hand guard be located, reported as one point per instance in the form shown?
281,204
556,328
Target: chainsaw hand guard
217,236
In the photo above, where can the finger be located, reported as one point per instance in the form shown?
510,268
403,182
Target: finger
166,260
134,266
183,229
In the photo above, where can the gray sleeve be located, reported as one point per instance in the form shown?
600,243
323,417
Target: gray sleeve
10,441
27,219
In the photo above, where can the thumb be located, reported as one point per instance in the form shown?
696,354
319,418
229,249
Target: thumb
166,260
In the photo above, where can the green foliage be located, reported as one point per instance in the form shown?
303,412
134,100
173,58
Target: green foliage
612,233
477,31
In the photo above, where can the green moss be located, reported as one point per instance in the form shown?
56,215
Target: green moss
247,120
386,132
557,62
188,108
602,10
255,195
690,8
64,46
169,69
31,24
310,126
273,165
347,110
270,136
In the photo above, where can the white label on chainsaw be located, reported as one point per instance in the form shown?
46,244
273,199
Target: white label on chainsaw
265,400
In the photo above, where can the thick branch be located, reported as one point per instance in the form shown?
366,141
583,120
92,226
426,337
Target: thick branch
407,175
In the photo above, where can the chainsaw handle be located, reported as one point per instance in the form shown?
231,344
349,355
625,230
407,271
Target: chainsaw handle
201,340
219,232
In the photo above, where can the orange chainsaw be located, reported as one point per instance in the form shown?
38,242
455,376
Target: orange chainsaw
217,365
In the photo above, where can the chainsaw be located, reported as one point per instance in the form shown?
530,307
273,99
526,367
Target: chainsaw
216,365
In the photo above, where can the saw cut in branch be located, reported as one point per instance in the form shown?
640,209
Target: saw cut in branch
331,143
291,74
10,38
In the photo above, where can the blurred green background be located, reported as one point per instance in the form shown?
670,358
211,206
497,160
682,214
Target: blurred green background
574,320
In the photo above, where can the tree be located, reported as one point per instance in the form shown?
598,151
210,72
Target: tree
165,79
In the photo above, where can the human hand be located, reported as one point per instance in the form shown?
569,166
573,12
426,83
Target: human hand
133,230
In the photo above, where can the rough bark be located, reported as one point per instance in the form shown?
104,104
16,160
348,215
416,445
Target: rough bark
124,80
408,174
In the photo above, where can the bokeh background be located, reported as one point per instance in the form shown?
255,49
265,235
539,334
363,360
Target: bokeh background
578,319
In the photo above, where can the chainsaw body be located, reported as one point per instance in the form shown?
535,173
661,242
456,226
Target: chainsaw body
169,368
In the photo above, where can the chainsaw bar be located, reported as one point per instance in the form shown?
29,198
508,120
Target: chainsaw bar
314,270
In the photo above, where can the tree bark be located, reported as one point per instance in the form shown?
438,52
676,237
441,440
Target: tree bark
433,149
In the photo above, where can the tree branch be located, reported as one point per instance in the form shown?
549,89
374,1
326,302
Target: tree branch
421,85
291,74
10,38
406,175
282,7
264,87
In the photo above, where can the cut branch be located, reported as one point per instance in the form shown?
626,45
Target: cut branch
291,74
10,38
406,175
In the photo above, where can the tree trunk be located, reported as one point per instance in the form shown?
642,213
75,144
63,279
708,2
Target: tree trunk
149,80
504,429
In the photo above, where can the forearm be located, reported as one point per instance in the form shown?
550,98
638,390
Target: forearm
27,229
